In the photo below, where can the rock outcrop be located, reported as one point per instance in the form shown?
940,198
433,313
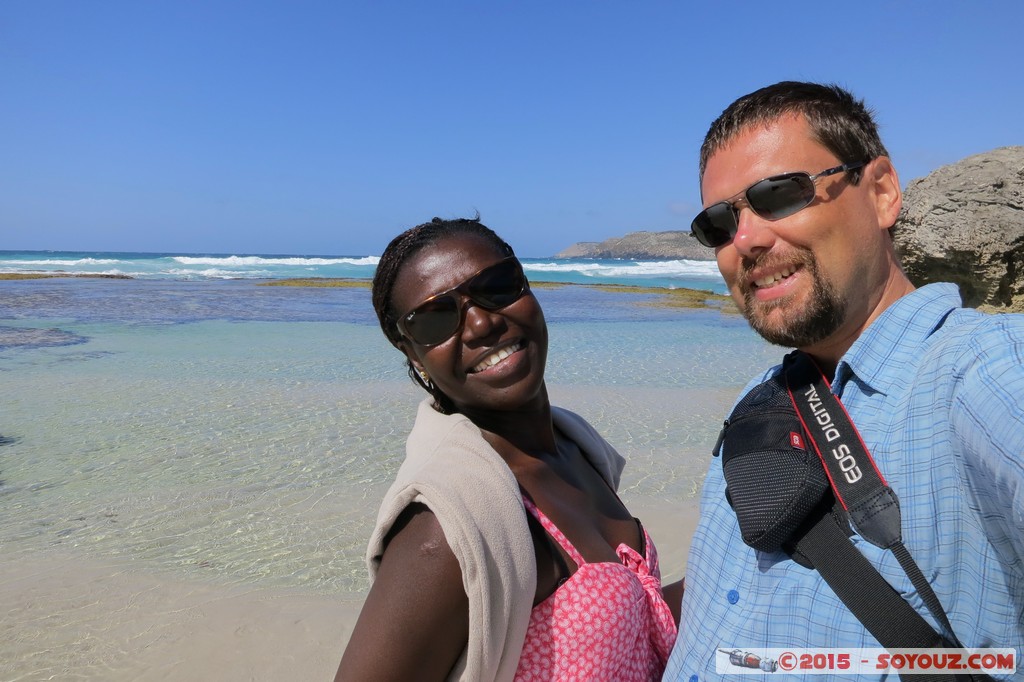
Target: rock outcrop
642,246
964,223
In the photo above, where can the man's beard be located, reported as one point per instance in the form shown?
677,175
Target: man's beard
818,320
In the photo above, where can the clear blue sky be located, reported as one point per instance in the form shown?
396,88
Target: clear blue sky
328,127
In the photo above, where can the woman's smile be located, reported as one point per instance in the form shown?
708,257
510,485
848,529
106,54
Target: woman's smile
496,357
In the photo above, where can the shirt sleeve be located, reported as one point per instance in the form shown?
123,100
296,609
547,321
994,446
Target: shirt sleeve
988,421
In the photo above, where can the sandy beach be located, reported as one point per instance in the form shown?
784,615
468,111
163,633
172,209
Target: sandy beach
86,620
189,470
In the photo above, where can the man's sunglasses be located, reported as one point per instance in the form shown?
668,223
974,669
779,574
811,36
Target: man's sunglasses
773,198
439,317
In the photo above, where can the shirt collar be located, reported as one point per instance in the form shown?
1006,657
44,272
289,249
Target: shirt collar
895,338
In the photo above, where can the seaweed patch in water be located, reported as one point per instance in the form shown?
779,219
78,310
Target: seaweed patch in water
27,337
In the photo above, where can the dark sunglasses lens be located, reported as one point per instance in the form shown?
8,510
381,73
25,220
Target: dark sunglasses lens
715,225
433,322
782,196
497,286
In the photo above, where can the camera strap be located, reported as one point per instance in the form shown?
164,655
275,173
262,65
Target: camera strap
798,476
871,506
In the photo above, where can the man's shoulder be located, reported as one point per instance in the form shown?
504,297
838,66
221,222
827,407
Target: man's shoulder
972,336
941,302
760,378
971,321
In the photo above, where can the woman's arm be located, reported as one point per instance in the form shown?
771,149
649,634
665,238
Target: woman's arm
415,621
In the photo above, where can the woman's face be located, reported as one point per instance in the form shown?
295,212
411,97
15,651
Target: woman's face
495,360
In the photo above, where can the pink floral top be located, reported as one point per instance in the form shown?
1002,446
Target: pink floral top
608,621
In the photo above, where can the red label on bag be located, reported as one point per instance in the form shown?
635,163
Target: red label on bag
796,440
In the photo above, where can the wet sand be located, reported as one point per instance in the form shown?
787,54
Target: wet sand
85,620
81,619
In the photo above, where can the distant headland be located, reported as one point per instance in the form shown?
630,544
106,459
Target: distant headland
675,244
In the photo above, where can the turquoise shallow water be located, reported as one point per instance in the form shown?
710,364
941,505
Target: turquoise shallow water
241,434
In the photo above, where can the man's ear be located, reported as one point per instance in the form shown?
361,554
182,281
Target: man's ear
887,195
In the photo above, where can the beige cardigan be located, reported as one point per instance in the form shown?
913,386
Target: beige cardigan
451,469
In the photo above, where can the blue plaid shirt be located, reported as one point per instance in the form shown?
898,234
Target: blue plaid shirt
937,392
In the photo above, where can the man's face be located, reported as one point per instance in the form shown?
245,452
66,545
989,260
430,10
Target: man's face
811,278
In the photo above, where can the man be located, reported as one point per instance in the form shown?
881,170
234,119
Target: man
936,390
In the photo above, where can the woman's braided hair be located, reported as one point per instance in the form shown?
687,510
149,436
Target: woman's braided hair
396,255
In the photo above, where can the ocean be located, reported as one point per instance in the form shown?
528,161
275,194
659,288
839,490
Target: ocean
195,424
661,273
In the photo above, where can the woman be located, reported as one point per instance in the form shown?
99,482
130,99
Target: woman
501,551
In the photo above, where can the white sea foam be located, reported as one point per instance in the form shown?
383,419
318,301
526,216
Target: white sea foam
39,271
666,268
66,263
114,271
217,273
663,273
249,261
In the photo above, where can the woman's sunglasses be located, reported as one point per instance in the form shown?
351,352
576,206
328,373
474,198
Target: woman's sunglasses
439,317
773,198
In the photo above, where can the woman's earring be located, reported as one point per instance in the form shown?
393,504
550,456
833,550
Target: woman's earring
423,375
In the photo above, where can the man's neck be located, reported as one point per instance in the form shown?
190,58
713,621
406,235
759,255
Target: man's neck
829,351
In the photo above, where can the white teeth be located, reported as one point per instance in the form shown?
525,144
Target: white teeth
497,356
772,279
